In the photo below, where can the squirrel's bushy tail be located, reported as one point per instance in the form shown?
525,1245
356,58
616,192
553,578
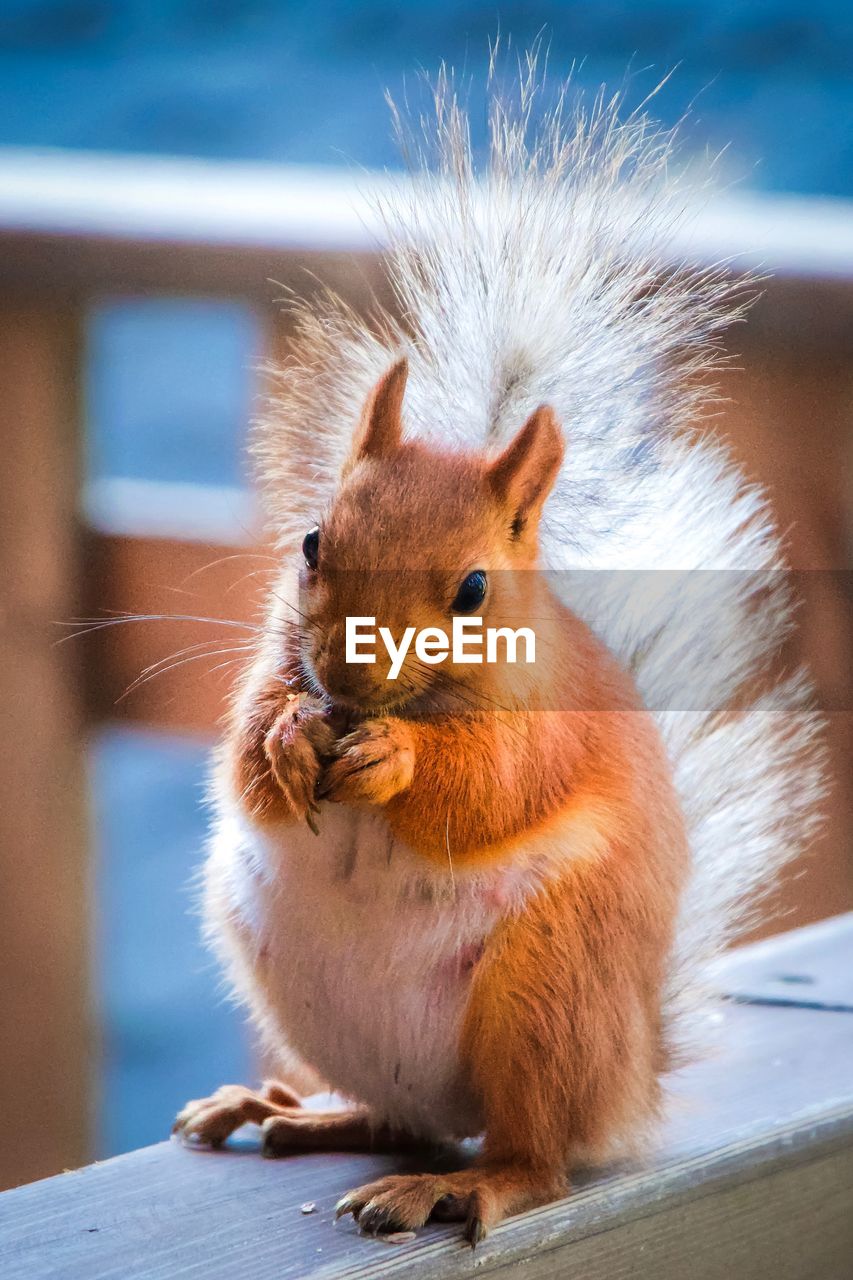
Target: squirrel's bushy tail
547,275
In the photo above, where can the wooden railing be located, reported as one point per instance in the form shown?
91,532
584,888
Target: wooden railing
751,1175
73,229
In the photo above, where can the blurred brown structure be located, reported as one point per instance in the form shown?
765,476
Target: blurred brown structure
788,419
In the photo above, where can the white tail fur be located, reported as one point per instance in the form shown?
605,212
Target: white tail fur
546,277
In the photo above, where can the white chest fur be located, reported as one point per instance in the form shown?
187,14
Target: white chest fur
363,953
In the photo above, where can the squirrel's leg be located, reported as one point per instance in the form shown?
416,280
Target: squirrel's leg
344,1130
286,1126
560,1040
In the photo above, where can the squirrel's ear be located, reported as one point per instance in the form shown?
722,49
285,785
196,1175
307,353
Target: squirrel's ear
381,427
522,476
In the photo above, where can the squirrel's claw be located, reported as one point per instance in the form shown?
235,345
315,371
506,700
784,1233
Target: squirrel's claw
373,764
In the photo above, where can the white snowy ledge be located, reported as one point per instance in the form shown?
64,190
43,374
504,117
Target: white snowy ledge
752,1178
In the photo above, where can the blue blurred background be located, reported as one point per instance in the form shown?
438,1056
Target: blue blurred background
300,82
169,381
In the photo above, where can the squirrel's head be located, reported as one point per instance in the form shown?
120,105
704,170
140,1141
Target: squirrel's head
414,537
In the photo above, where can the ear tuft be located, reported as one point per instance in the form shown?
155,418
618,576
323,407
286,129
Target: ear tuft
522,476
381,427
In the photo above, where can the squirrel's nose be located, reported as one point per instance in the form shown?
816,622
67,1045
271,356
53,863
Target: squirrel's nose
350,683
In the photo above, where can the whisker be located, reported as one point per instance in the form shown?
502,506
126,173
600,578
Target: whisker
478,707
253,574
210,647
86,626
483,698
160,670
447,846
288,605
236,555
220,666
176,659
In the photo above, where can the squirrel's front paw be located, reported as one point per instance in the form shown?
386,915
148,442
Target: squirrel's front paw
294,747
373,764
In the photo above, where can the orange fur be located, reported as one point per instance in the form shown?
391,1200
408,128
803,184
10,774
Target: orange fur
562,1039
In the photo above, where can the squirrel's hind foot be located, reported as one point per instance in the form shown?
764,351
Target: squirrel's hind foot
209,1121
286,1125
481,1197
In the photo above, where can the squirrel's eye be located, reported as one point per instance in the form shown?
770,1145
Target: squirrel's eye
471,593
311,547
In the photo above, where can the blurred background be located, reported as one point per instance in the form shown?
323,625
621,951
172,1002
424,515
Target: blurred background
165,168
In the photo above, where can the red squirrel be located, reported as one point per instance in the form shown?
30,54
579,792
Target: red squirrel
460,895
